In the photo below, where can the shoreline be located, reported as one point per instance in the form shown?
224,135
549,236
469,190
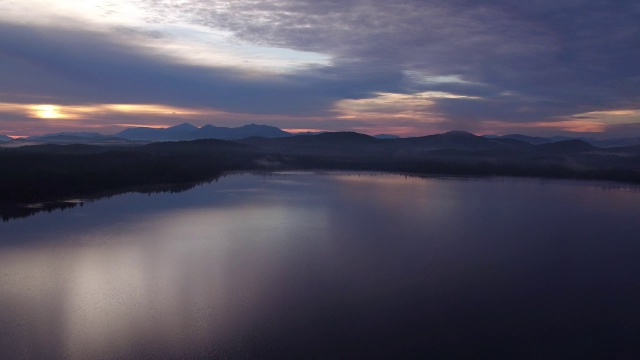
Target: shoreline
15,210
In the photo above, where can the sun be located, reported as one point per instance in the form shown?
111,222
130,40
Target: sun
48,111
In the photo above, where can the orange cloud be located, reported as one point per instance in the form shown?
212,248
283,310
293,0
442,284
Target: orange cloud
112,117
300,130
392,105
612,117
82,112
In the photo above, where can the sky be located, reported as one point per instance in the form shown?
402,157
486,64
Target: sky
405,67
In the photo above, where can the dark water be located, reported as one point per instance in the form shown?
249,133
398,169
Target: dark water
329,266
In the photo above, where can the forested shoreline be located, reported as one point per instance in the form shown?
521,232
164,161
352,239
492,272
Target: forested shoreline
54,173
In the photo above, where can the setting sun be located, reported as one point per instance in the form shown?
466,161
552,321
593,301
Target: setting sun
48,112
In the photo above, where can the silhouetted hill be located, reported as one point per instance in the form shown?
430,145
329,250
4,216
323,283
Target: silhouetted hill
75,135
187,131
78,149
534,140
74,139
623,151
360,145
178,132
225,133
386,136
143,133
342,137
56,172
196,147
615,142
459,140
326,139
259,130
5,138
182,128
567,146
324,145
560,138
451,140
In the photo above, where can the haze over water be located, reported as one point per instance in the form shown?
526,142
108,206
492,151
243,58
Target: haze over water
328,266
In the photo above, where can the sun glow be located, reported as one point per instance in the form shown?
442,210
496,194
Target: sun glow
47,112
87,111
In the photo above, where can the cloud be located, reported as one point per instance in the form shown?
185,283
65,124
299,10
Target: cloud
553,58
500,61
84,67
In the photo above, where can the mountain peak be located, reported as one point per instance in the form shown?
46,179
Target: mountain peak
183,127
345,136
256,126
459,133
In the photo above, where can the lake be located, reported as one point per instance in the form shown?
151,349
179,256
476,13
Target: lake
329,266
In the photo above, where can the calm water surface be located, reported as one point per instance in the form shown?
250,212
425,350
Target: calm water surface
333,266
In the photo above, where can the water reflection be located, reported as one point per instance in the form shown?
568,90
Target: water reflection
333,266
9,211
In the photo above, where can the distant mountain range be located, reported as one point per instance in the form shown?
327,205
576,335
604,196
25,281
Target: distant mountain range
188,131
536,140
180,132
50,171
453,143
